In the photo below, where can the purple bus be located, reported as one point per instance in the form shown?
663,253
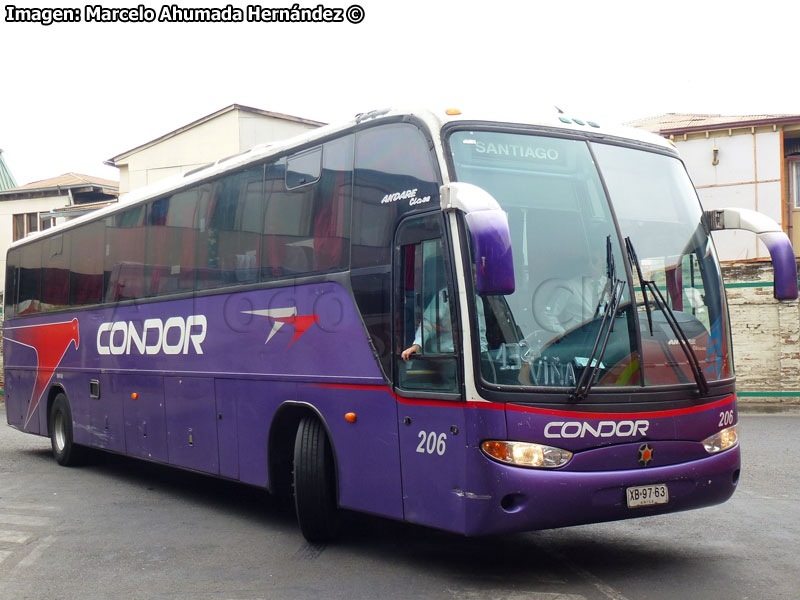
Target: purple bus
477,325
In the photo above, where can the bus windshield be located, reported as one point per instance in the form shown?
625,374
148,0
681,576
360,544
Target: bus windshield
617,281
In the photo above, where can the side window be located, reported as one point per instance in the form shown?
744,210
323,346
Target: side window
12,283
394,174
287,233
303,169
331,227
123,265
172,233
427,333
30,279
55,271
231,230
307,225
86,263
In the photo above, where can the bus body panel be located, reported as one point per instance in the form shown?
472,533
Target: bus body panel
145,415
578,431
367,450
226,392
192,423
433,456
107,419
254,404
508,499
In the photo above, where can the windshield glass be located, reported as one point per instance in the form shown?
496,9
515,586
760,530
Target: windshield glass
570,273
657,209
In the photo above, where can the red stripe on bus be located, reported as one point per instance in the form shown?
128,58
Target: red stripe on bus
659,414
676,412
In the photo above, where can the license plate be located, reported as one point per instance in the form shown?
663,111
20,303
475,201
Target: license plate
647,495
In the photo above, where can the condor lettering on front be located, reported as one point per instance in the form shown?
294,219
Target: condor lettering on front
603,429
175,336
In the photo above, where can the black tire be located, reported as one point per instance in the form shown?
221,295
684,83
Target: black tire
66,452
315,483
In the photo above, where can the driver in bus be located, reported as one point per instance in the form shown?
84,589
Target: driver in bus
439,328
568,303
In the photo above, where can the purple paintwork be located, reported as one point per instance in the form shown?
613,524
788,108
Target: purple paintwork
205,401
491,247
504,499
491,238
784,264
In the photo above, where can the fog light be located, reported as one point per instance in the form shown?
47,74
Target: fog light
525,454
722,440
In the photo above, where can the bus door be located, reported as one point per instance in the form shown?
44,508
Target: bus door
428,377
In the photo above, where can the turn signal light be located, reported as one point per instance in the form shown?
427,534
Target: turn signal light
453,112
525,454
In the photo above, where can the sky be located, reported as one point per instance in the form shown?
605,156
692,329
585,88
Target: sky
73,95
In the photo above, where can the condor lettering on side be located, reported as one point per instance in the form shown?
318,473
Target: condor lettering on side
603,429
175,336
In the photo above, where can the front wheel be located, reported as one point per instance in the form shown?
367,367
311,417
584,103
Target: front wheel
315,483
65,451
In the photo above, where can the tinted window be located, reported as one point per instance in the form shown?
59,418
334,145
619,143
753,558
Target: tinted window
86,263
307,229
12,281
332,206
303,168
394,174
55,271
229,230
172,234
288,242
30,279
124,255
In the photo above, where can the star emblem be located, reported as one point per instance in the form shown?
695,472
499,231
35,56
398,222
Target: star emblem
645,454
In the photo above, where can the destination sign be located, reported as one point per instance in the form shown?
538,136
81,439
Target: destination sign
515,151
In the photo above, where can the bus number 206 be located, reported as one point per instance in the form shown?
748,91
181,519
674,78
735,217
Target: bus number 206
429,443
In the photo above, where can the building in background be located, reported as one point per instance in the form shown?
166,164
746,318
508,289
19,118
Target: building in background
39,205
6,178
227,132
748,161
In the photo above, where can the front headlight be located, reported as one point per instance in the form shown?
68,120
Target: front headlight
526,454
722,440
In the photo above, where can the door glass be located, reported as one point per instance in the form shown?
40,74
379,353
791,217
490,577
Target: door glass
426,358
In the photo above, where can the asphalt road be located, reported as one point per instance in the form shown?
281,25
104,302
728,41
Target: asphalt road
120,528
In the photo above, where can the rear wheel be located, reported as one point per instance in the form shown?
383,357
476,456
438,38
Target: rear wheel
65,451
315,482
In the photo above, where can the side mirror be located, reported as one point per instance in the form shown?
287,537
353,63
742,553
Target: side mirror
489,233
784,265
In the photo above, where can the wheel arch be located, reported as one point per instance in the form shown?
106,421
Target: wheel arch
280,445
55,390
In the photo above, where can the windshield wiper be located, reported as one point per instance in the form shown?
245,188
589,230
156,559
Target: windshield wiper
616,288
669,316
638,266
